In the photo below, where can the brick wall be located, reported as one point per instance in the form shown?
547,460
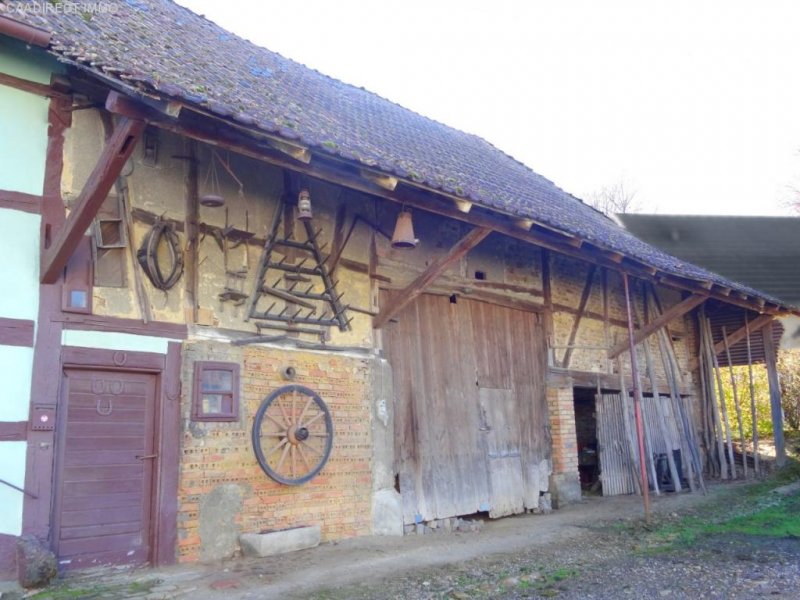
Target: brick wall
562,428
216,455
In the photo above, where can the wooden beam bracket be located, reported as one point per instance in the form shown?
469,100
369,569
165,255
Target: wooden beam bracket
115,154
674,312
416,287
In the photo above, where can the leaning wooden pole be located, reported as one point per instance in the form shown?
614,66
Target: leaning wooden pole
770,353
735,399
712,396
722,404
753,411
637,400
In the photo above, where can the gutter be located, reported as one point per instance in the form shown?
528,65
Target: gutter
33,36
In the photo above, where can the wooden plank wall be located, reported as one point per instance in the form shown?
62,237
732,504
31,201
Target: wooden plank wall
442,354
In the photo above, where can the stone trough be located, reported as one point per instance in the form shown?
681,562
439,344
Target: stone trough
280,542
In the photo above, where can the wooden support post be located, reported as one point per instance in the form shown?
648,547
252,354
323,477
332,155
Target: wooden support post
774,395
753,411
736,405
114,156
192,230
606,329
637,400
587,289
723,406
547,295
416,287
674,312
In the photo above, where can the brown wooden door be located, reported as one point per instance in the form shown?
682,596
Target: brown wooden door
105,476
443,353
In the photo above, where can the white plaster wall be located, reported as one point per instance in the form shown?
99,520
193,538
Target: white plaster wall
12,469
16,369
125,342
19,264
23,121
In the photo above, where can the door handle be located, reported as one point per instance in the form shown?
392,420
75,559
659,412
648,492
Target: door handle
147,456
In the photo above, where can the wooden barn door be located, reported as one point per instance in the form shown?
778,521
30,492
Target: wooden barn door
103,505
470,409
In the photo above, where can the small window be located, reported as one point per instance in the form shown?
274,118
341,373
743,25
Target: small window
216,392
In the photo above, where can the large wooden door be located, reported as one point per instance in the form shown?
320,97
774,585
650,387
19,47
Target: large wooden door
461,367
103,509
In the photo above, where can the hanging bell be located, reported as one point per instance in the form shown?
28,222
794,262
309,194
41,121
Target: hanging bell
403,236
304,206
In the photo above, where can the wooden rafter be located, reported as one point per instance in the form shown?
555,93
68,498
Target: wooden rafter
737,336
741,333
260,147
416,287
587,289
115,154
674,312
40,89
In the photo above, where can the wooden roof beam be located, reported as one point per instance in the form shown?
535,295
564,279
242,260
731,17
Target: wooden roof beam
242,141
463,205
673,312
741,333
383,180
296,151
416,287
115,154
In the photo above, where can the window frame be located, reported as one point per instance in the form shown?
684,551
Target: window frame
198,414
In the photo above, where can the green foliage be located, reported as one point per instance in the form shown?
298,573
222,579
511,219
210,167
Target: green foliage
789,375
753,510
789,372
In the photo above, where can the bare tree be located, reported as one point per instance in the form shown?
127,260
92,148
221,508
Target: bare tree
615,198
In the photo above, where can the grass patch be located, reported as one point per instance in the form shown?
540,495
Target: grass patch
67,591
751,510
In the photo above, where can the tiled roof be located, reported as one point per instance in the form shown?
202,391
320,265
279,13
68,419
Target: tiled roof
762,252
157,45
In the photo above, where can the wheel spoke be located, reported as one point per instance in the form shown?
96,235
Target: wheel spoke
283,411
305,408
314,418
293,462
274,420
320,435
309,446
283,457
303,456
276,447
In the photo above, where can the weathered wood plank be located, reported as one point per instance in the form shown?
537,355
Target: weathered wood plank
416,287
113,157
673,312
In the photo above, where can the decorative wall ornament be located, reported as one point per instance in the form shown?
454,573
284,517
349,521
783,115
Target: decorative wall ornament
292,434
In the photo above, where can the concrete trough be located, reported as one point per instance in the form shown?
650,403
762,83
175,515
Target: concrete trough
280,542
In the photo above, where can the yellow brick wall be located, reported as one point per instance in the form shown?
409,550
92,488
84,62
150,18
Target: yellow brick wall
214,454
562,429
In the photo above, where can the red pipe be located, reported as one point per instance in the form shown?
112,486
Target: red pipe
26,33
637,402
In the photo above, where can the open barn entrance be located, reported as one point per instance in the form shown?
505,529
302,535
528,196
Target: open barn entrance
470,408
586,438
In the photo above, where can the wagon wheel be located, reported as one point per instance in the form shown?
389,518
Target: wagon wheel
292,434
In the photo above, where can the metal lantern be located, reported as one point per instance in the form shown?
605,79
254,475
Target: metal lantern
304,206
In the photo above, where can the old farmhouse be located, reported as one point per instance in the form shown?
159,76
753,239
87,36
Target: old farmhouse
243,296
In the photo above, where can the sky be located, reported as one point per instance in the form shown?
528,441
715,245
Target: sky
694,106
